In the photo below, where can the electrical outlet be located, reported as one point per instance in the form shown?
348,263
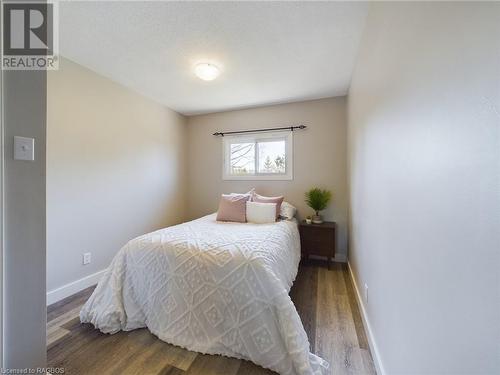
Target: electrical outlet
87,258
366,293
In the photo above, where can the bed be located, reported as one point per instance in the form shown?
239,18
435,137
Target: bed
211,287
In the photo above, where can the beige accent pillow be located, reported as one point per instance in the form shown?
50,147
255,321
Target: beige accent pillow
261,213
262,199
233,208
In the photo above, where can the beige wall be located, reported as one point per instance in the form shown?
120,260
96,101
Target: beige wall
115,170
319,157
424,146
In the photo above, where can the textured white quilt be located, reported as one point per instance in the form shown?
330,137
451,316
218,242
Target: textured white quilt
210,287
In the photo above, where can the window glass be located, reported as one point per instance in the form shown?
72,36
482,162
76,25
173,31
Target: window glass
242,158
272,156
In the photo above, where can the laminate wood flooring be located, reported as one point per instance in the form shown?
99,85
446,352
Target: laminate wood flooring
325,300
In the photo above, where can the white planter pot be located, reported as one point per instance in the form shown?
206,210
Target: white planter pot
316,219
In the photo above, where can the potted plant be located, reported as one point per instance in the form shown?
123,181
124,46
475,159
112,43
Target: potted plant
318,200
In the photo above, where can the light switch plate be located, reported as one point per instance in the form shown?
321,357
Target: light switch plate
24,148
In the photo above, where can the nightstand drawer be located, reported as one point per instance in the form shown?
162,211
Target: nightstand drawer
314,234
325,241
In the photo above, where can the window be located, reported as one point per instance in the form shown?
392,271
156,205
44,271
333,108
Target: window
264,156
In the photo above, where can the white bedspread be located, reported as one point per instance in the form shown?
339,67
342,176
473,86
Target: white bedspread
210,287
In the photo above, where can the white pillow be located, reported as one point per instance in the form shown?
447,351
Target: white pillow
261,213
287,211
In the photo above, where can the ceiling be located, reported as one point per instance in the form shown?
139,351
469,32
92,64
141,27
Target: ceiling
269,52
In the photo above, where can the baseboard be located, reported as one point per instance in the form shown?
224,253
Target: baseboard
73,287
366,323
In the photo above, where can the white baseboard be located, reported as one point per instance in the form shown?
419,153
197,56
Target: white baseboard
73,287
366,323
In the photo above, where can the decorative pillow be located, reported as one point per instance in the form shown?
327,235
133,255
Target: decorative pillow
287,211
232,208
262,199
261,213
249,193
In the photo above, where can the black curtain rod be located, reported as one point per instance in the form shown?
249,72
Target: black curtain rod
291,128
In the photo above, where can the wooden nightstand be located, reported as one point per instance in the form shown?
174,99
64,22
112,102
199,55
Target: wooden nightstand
318,239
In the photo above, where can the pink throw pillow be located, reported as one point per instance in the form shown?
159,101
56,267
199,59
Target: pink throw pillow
233,208
262,199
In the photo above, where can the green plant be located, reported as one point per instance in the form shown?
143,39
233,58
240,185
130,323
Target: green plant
318,199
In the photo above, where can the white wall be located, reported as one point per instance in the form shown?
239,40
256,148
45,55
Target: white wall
424,146
319,157
115,170
24,114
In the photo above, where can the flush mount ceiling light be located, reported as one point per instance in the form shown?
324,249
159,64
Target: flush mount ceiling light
206,71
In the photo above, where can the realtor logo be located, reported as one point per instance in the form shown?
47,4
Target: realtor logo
29,35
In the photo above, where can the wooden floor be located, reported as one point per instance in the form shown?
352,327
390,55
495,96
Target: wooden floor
324,298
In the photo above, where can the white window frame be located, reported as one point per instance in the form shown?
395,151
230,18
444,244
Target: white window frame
227,140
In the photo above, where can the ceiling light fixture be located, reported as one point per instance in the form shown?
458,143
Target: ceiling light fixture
206,71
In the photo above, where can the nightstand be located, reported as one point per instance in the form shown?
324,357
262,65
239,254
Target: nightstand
318,239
